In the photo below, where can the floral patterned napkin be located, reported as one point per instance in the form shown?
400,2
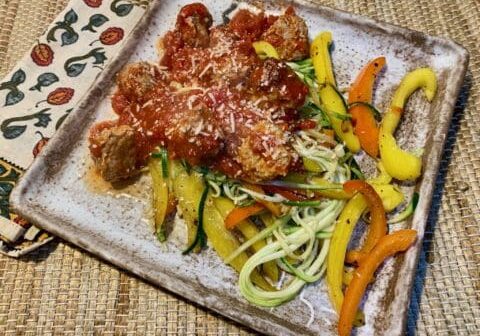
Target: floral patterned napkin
39,93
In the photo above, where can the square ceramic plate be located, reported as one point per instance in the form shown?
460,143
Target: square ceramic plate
59,196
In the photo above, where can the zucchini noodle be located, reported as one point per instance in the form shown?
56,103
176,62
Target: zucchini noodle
233,192
275,198
312,266
308,144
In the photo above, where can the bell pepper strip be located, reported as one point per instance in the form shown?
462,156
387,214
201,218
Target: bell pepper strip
382,177
272,207
332,102
391,195
225,243
267,219
336,109
188,189
331,190
361,91
237,215
347,276
265,50
161,197
349,216
378,223
387,246
401,164
322,63
248,230
346,222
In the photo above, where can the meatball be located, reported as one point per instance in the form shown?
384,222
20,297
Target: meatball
289,35
264,153
113,151
248,25
193,23
189,138
275,80
137,79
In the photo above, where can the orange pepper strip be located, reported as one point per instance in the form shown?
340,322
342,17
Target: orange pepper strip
387,246
365,126
272,207
378,223
238,215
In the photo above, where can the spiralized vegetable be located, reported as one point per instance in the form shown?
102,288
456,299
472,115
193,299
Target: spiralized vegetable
311,266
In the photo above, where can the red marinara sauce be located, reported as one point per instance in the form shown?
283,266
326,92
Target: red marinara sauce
211,99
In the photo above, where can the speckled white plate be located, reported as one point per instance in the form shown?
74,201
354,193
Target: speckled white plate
57,193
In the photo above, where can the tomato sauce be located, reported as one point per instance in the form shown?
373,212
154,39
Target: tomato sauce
209,94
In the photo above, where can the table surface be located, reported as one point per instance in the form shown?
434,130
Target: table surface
60,289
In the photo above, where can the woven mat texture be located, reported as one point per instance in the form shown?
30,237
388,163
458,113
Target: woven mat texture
62,290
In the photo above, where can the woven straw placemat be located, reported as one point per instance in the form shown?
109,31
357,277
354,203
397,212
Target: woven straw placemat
59,289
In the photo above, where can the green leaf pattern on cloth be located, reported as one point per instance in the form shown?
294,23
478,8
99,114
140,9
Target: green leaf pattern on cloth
11,130
74,66
121,7
44,80
64,61
95,21
69,36
14,95
46,85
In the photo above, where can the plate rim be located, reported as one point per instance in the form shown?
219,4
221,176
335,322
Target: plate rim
56,148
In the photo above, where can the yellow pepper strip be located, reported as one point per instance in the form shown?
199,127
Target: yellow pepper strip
383,177
347,276
265,50
267,219
398,163
160,197
322,63
248,230
331,100
338,247
391,196
332,190
224,242
188,189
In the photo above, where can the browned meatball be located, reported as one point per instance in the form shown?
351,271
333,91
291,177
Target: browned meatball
193,23
113,151
264,153
289,35
137,79
190,138
276,81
